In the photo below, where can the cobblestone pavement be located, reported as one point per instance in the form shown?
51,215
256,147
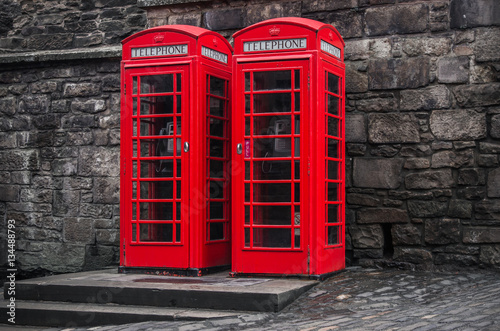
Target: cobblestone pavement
369,299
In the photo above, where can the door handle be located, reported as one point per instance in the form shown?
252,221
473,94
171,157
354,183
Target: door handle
239,149
186,147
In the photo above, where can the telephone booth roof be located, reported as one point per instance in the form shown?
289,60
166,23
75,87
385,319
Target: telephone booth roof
175,34
286,28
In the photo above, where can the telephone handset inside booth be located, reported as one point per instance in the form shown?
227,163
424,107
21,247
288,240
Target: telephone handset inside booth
165,147
280,146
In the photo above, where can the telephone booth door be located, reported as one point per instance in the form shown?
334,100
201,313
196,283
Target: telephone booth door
288,118
175,127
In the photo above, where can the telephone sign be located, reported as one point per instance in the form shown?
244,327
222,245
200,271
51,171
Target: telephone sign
175,131
288,202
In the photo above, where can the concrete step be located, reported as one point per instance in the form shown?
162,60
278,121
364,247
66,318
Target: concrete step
64,314
99,297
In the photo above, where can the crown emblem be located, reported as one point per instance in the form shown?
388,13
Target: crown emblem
216,43
159,38
330,35
274,31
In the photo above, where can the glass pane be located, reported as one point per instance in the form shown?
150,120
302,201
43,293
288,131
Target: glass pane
333,125
179,82
216,127
333,170
178,232
134,169
216,169
333,213
134,106
216,210
157,105
297,147
272,103
159,147
247,170
272,125
134,85
217,107
217,86
247,192
216,190
247,126
247,214
333,83
156,232
216,231
178,168
272,238
247,81
158,126
157,190
134,148
178,213
156,210
333,235
247,104
134,128
297,192
157,84
272,170
333,192
272,215
297,102
297,79
134,232
134,211
272,80
297,169
333,148
272,192
333,105
179,104
179,189
134,190
216,148
272,147
247,237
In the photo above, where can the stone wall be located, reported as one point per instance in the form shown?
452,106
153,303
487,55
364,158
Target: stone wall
423,123
60,130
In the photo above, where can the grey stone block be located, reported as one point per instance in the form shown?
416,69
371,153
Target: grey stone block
367,236
430,98
452,70
393,128
398,73
396,19
377,173
474,13
355,131
460,124
383,215
494,183
430,180
417,208
442,232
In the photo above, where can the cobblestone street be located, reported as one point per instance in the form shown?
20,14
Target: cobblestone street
369,299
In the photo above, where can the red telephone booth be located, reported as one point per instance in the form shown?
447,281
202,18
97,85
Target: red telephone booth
175,130
288,141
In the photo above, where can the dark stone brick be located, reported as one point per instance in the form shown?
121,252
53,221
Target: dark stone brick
106,190
88,40
460,209
456,259
398,73
401,19
34,104
471,177
489,148
355,128
494,183
81,89
458,124
96,210
327,5
471,193
430,180
486,44
357,82
66,203
474,13
383,215
453,159
393,128
348,23
490,255
442,232
78,230
362,200
488,210
366,236
52,41
426,209
452,70
481,235
98,161
8,106
64,167
412,255
19,160
258,13
430,98
477,95
405,234
377,173
47,121
10,193
225,19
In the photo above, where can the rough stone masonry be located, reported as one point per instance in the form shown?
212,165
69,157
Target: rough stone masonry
422,124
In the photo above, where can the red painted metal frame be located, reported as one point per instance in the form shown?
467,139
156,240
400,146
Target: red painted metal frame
322,248
195,64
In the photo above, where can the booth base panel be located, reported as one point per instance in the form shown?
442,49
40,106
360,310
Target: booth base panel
320,278
190,272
